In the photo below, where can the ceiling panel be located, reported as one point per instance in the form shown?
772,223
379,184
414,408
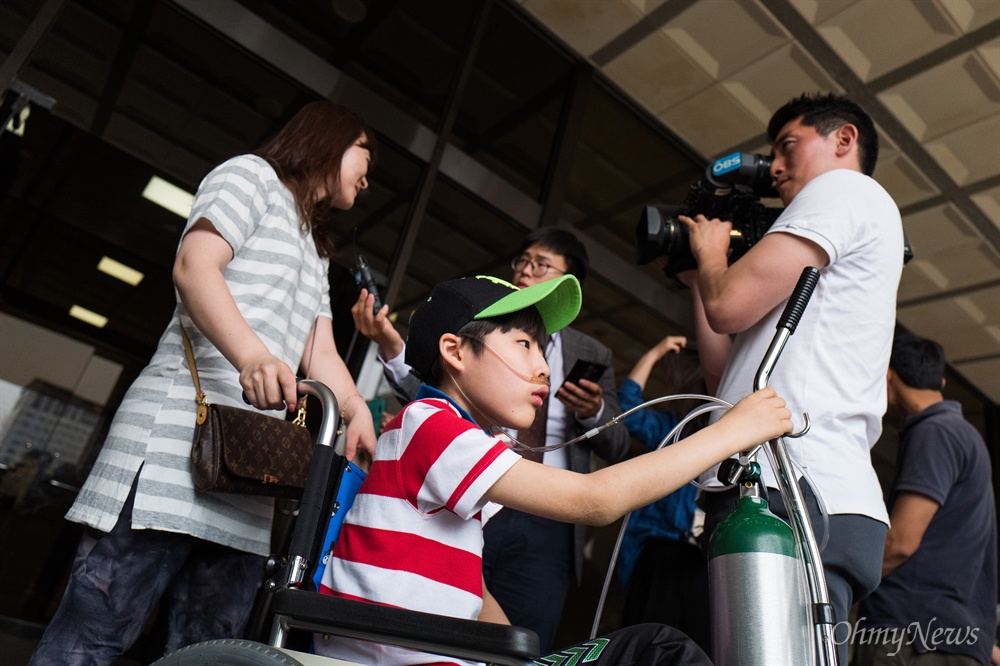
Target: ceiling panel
920,280
985,375
724,37
928,70
945,98
989,202
969,154
713,120
587,26
970,14
658,73
990,53
949,252
958,325
819,11
874,36
767,92
897,173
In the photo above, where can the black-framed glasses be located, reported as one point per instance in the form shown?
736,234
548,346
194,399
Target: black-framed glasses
538,268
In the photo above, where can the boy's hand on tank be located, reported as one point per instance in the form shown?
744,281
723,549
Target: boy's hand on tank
759,417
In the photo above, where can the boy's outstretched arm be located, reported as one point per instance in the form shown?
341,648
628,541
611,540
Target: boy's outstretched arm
601,497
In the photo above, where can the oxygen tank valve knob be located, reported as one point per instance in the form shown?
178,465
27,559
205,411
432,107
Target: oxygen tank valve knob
732,471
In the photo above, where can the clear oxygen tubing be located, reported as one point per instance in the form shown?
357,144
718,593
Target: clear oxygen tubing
518,446
719,404
806,545
672,437
715,404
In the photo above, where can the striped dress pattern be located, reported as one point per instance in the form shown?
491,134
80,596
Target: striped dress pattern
280,285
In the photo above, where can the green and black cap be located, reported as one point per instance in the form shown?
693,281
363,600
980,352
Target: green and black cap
453,304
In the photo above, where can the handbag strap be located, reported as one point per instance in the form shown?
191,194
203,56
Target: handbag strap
300,416
199,394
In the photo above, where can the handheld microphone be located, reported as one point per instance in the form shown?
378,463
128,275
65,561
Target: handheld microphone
365,280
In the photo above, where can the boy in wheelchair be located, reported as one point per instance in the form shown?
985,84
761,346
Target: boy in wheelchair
413,538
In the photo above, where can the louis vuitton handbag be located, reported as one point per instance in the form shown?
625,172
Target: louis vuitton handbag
240,451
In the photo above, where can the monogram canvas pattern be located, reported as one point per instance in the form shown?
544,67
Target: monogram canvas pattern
239,451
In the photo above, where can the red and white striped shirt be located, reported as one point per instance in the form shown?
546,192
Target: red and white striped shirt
413,538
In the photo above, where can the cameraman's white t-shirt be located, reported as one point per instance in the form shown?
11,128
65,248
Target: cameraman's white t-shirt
834,365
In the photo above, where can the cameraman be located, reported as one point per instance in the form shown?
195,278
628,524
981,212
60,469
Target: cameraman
841,221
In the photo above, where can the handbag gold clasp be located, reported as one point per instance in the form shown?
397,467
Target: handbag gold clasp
300,416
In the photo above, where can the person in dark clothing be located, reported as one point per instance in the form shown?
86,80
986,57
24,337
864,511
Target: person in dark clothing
662,571
936,603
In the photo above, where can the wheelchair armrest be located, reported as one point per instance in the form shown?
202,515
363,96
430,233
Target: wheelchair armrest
426,632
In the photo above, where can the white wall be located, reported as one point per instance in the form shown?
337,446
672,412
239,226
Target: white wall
29,352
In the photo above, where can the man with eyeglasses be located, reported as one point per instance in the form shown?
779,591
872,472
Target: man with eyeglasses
528,562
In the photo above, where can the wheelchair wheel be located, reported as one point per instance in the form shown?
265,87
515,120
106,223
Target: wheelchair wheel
228,652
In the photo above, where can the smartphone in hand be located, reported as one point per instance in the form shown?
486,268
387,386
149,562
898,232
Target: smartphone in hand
585,370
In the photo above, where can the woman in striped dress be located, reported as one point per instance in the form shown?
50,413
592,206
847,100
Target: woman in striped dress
253,296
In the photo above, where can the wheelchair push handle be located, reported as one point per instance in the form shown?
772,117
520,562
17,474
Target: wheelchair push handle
787,324
824,645
331,410
799,299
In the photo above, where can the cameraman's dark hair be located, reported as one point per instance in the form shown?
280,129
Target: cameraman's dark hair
563,243
527,320
918,362
827,113
306,154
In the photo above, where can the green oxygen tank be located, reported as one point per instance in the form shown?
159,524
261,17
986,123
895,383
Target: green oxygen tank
760,616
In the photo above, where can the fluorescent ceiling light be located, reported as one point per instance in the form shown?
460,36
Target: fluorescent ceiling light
18,128
119,270
92,318
169,196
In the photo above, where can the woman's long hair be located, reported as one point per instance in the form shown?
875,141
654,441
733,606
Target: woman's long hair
306,154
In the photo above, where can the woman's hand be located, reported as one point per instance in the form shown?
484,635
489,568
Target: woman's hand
268,383
360,441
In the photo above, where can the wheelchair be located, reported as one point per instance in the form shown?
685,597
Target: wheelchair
283,605
284,608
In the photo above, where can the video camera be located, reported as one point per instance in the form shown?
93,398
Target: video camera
730,190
